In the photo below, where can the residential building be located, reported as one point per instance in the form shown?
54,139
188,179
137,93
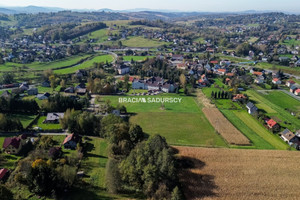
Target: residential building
252,109
32,91
276,81
71,141
123,69
53,118
288,136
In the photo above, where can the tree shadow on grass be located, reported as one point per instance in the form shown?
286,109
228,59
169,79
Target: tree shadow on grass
195,185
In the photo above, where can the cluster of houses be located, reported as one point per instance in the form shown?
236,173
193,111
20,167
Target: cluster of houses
294,88
154,84
293,139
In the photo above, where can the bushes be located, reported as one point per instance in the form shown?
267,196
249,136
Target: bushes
7,124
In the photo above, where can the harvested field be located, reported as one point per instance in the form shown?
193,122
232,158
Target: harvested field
214,174
225,128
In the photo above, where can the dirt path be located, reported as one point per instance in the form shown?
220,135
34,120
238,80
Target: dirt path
204,100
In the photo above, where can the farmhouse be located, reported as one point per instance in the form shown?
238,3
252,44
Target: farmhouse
290,83
46,84
259,80
123,69
53,118
70,142
81,91
276,81
293,88
32,91
154,84
43,96
252,109
13,145
169,88
239,97
288,136
272,124
69,90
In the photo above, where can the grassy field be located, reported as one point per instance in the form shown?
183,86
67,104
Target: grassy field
8,66
260,130
86,64
25,119
93,165
46,126
257,138
274,109
142,42
294,71
181,123
219,174
187,105
136,58
190,129
283,100
291,42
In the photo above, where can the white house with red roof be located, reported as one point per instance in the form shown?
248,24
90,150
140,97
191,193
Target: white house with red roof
297,92
276,81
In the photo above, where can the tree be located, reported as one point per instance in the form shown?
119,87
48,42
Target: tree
63,83
8,78
182,80
149,166
112,176
52,81
176,194
5,193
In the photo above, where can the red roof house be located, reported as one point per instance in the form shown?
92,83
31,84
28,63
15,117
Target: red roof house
70,142
3,173
272,124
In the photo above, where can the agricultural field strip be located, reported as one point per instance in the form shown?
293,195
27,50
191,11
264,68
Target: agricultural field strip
257,140
225,128
259,129
284,115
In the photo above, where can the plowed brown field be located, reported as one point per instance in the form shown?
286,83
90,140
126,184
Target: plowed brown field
225,128
236,174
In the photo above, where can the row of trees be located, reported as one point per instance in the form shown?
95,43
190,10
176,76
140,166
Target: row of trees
221,95
7,124
59,103
16,105
82,123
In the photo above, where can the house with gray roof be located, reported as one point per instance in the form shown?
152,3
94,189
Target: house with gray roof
53,118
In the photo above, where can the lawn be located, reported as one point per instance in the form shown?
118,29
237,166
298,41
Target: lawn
46,126
136,58
25,119
87,64
181,123
142,42
8,66
187,105
283,100
93,165
189,129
